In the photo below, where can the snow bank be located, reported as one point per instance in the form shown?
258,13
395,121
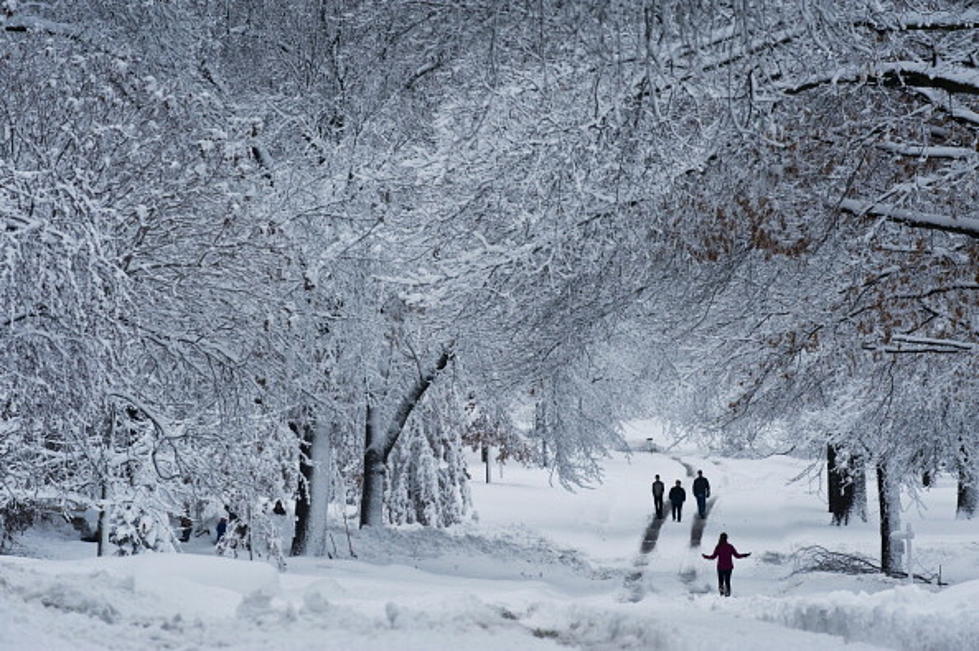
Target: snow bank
905,617
510,552
592,628
189,584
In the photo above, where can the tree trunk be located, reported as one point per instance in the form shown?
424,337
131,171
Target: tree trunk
377,446
303,500
834,481
486,459
321,488
889,497
859,479
540,427
968,494
372,497
372,488
313,503
102,529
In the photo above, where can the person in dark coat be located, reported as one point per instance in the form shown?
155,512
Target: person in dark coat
221,528
677,497
725,553
701,490
658,490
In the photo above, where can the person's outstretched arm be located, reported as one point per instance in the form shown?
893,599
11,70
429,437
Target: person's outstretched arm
712,556
737,555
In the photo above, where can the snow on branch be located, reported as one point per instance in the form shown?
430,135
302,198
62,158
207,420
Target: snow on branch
928,341
770,40
939,20
924,151
945,103
948,77
909,344
36,24
963,225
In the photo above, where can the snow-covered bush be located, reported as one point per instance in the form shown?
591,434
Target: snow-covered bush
428,477
255,534
135,528
15,517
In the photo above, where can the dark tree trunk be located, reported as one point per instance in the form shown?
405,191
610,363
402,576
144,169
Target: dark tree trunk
372,488
540,427
101,534
834,480
378,446
890,519
859,480
303,499
885,521
968,494
372,497
486,460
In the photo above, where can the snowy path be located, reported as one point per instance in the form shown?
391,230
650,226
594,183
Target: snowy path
633,584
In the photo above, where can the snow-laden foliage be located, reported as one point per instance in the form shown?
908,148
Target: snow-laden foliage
428,477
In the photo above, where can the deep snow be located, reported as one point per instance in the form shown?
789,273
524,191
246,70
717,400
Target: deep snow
542,568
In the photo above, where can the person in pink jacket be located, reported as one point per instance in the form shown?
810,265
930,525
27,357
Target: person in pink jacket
725,553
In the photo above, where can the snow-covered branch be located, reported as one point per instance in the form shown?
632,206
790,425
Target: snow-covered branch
908,344
925,151
964,225
949,77
37,24
914,20
945,103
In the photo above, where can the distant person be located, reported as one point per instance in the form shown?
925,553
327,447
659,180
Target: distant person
677,497
221,529
658,489
701,490
725,553
186,527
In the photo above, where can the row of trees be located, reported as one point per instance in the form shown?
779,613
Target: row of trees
844,311
304,250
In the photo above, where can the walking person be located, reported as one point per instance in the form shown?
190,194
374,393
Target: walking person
677,497
725,553
658,490
701,490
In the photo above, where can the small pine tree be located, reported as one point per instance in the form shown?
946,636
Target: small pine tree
454,494
134,529
427,475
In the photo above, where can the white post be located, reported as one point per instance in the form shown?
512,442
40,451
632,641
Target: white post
909,535
906,538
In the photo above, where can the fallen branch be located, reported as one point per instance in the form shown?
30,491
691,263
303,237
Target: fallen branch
816,558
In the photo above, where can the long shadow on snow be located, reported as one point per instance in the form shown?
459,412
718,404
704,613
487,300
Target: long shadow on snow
700,523
633,581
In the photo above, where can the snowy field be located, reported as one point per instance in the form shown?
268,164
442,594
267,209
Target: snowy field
541,569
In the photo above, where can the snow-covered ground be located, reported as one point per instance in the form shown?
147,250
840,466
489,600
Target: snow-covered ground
541,569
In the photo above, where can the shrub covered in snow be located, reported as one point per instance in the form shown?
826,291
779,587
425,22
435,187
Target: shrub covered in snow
133,528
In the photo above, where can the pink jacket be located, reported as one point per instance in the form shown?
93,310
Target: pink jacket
725,553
